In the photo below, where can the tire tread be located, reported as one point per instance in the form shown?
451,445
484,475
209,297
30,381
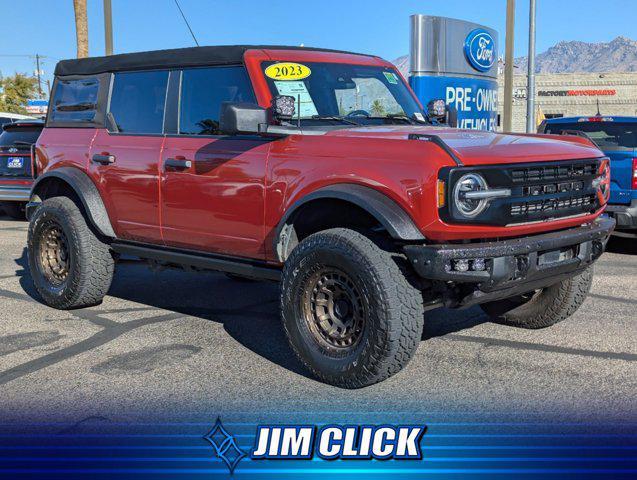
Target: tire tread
401,326
93,274
553,305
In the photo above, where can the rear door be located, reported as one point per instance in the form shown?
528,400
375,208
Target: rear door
124,158
618,140
212,186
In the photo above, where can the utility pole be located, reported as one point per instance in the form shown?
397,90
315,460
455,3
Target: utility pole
81,28
530,84
507,121
108,27
37,73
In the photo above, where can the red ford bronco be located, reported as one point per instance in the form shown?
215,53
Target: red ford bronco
319,169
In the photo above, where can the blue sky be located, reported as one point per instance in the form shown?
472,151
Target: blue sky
371,26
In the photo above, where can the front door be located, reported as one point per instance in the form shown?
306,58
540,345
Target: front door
212,186
124,159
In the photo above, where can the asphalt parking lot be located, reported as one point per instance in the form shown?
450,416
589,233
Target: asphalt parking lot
171,341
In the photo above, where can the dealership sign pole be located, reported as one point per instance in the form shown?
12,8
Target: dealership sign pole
508,67
531,126
108,27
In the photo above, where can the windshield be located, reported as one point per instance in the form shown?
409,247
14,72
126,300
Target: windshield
333,91
607,135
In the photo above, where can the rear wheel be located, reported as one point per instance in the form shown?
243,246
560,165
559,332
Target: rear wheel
349,310
544,307
70,266
14,210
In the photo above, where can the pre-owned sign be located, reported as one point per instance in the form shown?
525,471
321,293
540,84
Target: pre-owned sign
456,61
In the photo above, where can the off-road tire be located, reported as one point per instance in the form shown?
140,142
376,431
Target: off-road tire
14,210
90,262
393,303
544,308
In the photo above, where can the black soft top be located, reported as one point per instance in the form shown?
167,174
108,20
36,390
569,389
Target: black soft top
173,58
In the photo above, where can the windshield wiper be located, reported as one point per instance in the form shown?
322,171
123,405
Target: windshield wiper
22,142
397,116
335,118
579,133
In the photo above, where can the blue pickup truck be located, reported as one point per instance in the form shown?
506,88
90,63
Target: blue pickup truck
617,138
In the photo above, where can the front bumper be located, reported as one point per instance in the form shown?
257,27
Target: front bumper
513,266
624,215
14,193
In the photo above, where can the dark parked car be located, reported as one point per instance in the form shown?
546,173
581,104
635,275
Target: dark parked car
16,165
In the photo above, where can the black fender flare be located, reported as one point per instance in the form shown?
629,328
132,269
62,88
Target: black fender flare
389,214
86,191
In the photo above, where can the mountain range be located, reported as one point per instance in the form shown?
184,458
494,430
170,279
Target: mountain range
618,55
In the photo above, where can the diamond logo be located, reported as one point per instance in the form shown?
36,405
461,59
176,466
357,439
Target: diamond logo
224,445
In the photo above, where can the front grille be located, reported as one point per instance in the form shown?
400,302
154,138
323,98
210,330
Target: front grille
539,192
553,172
553,206
552,191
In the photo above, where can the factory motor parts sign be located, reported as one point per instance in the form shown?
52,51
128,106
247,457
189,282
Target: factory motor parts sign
577,93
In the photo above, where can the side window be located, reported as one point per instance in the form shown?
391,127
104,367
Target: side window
202,92
138,100
75,100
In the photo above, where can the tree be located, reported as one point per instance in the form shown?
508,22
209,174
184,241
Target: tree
81,28
16,90
377,108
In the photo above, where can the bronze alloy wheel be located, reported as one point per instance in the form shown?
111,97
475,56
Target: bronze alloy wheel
54,255
333,309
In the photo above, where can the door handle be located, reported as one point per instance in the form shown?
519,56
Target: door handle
177,163
103,159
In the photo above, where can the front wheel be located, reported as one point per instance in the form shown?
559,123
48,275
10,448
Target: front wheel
70,266
350,311
544,307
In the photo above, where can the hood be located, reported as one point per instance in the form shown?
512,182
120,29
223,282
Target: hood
475,147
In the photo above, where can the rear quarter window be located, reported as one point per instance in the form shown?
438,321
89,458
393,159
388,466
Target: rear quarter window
75,100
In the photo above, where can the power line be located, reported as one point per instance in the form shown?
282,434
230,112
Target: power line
187,24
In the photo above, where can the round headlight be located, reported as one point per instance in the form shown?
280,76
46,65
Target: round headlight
468,205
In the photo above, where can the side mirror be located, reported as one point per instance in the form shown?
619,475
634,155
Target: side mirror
237,118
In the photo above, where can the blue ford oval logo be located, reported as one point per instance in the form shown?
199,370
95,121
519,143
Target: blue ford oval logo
479,48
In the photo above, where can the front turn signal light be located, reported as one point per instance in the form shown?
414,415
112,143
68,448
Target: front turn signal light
441,193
